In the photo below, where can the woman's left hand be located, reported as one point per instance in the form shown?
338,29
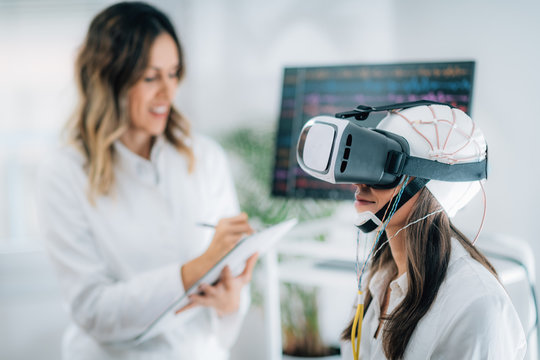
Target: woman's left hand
225,295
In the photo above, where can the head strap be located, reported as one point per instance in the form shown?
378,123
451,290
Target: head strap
362,111
399,163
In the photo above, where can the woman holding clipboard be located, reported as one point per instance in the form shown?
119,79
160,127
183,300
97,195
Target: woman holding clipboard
119,204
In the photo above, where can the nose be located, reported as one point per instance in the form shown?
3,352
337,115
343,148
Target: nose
168,88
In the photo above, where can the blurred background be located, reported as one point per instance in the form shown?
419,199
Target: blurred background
235,53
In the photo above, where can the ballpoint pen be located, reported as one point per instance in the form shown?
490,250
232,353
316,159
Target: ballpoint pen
206,225
209,225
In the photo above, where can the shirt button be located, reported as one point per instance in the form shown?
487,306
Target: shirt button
396,289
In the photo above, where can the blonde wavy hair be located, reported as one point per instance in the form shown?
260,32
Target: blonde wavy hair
111,60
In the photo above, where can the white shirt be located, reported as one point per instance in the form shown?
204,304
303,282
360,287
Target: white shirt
119,261
472,317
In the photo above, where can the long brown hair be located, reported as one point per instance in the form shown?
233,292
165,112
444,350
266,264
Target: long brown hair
111,60
428,248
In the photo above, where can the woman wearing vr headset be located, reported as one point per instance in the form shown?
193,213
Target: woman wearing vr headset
427,293
120,203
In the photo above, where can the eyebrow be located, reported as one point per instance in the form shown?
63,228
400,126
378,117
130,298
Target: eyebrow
158,68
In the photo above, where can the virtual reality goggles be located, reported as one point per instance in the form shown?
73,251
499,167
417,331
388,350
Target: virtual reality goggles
340,151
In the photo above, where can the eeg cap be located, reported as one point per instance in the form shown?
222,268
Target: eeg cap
442,134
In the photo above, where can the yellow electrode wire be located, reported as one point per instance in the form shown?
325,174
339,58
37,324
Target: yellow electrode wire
359,316
357,324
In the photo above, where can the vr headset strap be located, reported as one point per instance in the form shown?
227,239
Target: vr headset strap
362,111
410,190
399,163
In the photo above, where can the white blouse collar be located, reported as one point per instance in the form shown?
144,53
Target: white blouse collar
144,169
400,285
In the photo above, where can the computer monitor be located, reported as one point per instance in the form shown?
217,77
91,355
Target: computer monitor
327,90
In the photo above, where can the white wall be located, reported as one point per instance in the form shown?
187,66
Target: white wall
236,51
502,37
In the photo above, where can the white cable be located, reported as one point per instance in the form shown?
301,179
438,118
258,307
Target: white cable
484,197
406,226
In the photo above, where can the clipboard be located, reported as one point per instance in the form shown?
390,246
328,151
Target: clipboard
236,258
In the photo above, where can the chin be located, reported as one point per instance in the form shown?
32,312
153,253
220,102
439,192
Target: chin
156,131
362,208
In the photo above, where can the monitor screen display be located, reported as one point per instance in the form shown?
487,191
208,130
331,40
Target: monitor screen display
327,90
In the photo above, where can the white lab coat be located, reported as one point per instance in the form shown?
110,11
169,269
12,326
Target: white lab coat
471,318
119,261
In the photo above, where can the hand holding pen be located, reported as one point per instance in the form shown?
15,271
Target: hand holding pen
228,231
